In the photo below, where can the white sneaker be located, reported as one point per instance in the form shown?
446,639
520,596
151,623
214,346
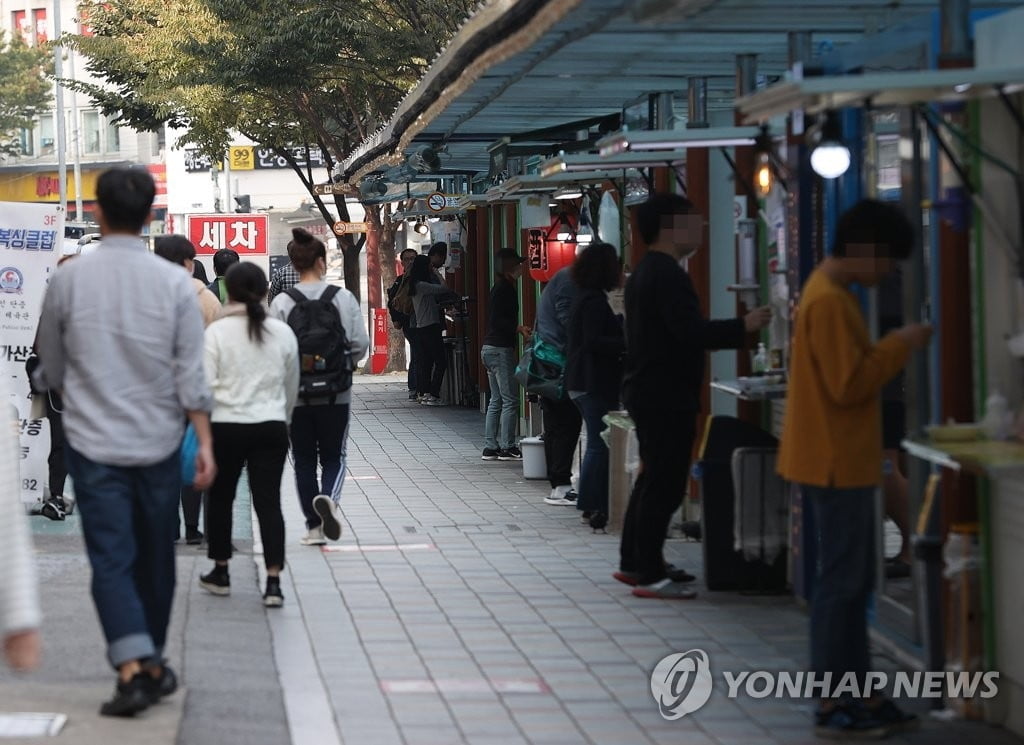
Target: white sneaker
328,511
314,537
431,400
559,496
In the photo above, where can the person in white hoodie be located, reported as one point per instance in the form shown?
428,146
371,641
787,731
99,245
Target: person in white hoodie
319,429
20,616
252,366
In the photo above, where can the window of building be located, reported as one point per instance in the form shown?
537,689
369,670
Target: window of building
47,139
113,137
26,139
91,132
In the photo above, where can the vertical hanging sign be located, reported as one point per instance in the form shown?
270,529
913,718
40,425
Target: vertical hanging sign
31,236
379,358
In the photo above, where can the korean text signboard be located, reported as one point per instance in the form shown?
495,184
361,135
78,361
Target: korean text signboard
30,238
250,157
248,234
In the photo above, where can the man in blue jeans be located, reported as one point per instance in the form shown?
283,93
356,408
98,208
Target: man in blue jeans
499,357
129,365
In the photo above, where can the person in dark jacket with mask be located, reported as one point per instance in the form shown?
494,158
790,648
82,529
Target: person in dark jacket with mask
668,341
594,366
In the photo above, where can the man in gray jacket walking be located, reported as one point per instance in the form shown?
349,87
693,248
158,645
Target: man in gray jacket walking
121,338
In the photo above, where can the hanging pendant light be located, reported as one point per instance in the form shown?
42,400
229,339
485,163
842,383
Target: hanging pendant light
831,158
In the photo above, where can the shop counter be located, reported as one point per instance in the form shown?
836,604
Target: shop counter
980,457
751,389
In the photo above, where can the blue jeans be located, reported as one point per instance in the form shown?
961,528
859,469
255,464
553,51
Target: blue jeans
845,521
504,404
129,517
593,491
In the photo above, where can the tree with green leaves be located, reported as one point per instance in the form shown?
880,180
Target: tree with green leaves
319,73
25,92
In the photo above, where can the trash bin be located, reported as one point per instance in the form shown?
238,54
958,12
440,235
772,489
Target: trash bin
535,464
725,568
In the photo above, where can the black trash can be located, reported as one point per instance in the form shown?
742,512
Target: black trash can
725,568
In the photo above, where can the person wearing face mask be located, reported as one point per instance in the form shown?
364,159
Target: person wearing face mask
667,340
831,447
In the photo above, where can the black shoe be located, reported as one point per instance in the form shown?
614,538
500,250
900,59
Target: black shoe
162,685
893,716
193,537
598,521
129,698
896,569
273,598
512,453
676,574
849,721
53,510
217,581
490,454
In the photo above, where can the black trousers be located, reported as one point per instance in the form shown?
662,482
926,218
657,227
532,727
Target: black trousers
58,470
562,424
263,447
319,433
191,504
410,336
666,441
432,360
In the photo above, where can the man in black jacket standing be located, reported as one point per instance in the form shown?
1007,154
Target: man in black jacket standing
406,322
498,354
667,339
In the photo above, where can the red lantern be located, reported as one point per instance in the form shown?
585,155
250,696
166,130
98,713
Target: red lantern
546,254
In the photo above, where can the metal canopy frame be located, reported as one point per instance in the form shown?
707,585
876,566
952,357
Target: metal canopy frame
522,68
675,139
589,161
878,90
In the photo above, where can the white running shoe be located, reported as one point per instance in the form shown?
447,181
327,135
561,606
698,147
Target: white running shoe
560,496
314,537
330,516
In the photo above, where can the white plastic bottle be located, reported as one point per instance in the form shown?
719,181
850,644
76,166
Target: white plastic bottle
760,364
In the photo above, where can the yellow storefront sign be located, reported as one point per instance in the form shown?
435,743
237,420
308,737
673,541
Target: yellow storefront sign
242,157
44,186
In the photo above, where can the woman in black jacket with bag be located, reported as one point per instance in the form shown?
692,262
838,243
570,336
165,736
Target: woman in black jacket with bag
595,351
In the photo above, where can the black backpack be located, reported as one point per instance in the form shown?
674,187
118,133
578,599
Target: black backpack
325,365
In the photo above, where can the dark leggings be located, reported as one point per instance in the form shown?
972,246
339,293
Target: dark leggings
263,447
432,361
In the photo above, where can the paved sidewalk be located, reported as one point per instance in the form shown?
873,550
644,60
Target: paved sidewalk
457,608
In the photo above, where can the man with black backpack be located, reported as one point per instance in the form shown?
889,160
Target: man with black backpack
403,314
332,339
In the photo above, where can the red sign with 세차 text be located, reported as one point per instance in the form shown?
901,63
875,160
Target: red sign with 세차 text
247,234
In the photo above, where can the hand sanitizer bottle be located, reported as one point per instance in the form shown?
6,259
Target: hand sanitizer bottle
760,364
